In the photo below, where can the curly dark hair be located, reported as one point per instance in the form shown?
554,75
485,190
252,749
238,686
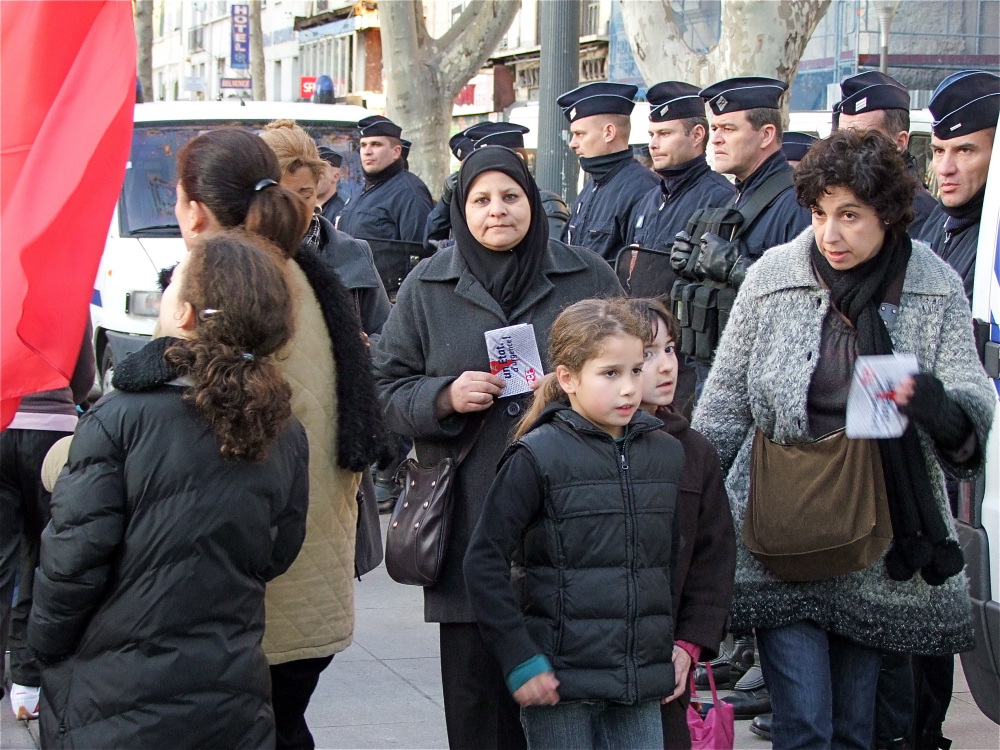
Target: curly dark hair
236,283
869,165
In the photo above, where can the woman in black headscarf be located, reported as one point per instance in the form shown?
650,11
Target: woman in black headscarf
435,384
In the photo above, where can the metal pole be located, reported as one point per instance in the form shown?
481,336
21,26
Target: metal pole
556,167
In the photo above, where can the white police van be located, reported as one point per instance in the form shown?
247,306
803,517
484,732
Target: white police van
144,237
979,509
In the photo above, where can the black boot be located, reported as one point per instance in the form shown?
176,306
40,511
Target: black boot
761,726
386,489
750,697
729,666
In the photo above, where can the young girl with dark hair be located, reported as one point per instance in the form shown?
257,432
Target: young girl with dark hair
706,551
569,569
185,492
229,178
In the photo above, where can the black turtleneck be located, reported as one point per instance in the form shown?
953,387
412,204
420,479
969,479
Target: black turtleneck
673,179
600,168
374,179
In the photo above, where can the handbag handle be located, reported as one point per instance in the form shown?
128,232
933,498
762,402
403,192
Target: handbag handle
475,438
711,681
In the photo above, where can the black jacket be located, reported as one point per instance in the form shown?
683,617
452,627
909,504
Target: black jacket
705,564
152,571
352,260
664,210
600,216
956,246
395,209
780,222
589,527
923,202
433,335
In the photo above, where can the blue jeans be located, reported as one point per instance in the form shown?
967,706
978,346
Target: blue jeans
593,725
822,687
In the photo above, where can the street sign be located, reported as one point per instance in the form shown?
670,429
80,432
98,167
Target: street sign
307,86
236,83
239,56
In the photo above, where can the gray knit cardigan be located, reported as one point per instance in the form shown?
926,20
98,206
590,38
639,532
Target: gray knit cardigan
761,377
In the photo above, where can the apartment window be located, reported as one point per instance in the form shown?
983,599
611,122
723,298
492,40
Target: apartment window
276,93
332,56
590,19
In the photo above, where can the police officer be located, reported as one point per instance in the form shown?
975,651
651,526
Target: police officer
394,202
746,138
438,225
794,146
507,134
965,108
332,203
875,101
678,135
598,114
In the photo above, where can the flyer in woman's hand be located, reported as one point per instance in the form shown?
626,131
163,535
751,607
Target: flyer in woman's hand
513,354
871,408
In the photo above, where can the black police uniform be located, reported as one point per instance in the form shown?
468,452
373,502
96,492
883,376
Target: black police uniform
600,217
780,222
333,208
664,210
395,208
956,238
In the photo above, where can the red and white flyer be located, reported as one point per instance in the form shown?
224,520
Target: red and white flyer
871,410
513,354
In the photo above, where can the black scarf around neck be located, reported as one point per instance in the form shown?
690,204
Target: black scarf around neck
920,536
599,167
506,275
377,178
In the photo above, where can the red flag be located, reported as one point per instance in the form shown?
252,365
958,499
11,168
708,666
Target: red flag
67,90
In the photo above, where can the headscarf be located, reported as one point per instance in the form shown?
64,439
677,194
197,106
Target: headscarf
505,275
920,536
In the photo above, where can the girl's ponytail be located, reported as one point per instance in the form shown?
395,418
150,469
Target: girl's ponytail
549,391
236,284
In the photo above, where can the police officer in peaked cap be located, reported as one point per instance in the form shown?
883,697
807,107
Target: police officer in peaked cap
509,135
965,107
394,203
795,144
599,123
875,101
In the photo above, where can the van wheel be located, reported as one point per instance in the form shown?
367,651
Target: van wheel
107,370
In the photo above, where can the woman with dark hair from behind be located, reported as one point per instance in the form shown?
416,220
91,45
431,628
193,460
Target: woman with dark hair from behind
227,178
184,492
301,171
852,284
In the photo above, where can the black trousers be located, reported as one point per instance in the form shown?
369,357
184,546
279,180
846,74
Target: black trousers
292,685
479,712
24,511
673,718
933,682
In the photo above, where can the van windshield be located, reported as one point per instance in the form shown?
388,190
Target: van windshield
146,205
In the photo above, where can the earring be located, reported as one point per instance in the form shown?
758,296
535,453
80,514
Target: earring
192,235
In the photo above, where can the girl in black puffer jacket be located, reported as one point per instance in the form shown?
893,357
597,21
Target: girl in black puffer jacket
583,505
185,492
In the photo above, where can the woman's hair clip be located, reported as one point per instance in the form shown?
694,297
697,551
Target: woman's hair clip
208,312
248,356
265,183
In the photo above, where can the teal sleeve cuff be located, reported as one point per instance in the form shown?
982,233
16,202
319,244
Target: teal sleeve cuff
526,670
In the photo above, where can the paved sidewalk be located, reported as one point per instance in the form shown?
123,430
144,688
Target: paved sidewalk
385,690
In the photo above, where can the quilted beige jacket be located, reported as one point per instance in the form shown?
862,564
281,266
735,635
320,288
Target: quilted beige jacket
310,609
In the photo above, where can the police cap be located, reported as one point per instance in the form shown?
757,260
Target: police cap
598,98
674,100
507,134
964,103
872,90
379,125
460,145
794,145
330,156
747,92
